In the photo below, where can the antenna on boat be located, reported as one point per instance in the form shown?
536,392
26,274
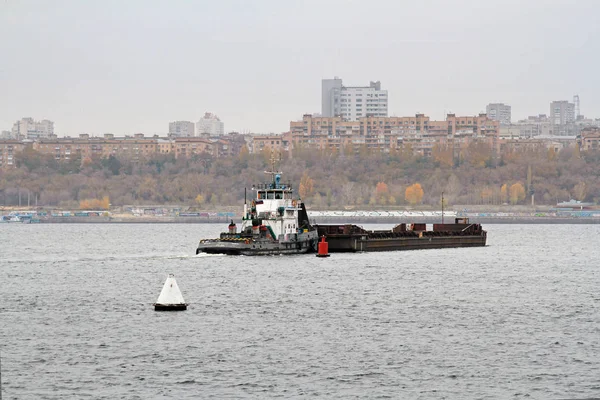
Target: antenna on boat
272,172
442,207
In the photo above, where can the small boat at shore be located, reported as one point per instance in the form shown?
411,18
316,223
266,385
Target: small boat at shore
11,219
275,222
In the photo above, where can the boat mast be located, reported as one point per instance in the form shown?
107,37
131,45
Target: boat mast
245,210
272,172
442,207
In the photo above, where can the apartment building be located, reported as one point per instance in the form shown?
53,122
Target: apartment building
499,112
275,143
418,132
210,125
8,149
64,149
562,112
590,139
27,128
181,129
352,102
134,148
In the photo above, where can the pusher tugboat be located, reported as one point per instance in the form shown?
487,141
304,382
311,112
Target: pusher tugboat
275,222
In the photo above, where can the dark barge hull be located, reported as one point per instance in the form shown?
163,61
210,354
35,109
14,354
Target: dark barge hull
352,238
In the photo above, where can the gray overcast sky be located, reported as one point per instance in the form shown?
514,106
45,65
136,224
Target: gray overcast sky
133,66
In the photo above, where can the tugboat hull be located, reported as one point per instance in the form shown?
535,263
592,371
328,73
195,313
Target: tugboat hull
306,244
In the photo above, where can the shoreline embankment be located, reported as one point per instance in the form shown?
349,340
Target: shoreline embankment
321,220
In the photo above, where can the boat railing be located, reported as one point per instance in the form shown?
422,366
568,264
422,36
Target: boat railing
273,186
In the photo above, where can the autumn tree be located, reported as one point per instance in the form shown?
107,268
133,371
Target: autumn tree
95,204
478,154
516,193
442,155
504,193
306,188
452,188
381,193
580,191
486,195
414,194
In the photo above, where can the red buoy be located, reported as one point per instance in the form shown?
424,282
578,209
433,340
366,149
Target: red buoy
323,248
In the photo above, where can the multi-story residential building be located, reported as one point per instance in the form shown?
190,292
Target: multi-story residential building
134,148
275,143
531,127
64,149
181,129
516,144
562,112
352,102
187,147
331,90
499,112
27,128
6,135
590,138
386,133
8,149
210,125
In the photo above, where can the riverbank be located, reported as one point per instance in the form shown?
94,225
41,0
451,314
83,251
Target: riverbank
318,220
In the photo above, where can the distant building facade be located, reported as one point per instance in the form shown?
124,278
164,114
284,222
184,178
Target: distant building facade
385,134
590,139
211,125
499,112
562,117
8,149
27,128
181,129
352,102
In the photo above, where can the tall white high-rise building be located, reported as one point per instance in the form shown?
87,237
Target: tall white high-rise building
27,128
181,129
499,112
352,102
210,124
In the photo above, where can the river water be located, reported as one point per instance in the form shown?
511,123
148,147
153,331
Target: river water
518,318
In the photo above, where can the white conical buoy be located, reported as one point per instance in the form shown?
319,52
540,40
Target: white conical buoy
170,298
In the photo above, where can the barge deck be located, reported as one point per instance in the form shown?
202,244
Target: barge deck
353,238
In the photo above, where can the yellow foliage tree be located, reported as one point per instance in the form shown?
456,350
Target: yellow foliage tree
414,194
442,154
381,193
306,186
486,195
199,199
516,193
95,204
504,193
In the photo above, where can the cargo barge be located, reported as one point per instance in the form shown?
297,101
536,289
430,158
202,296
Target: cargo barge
353,238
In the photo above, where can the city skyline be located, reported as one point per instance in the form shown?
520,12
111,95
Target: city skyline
117,74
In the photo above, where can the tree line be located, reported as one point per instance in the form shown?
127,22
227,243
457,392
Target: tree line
324,179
